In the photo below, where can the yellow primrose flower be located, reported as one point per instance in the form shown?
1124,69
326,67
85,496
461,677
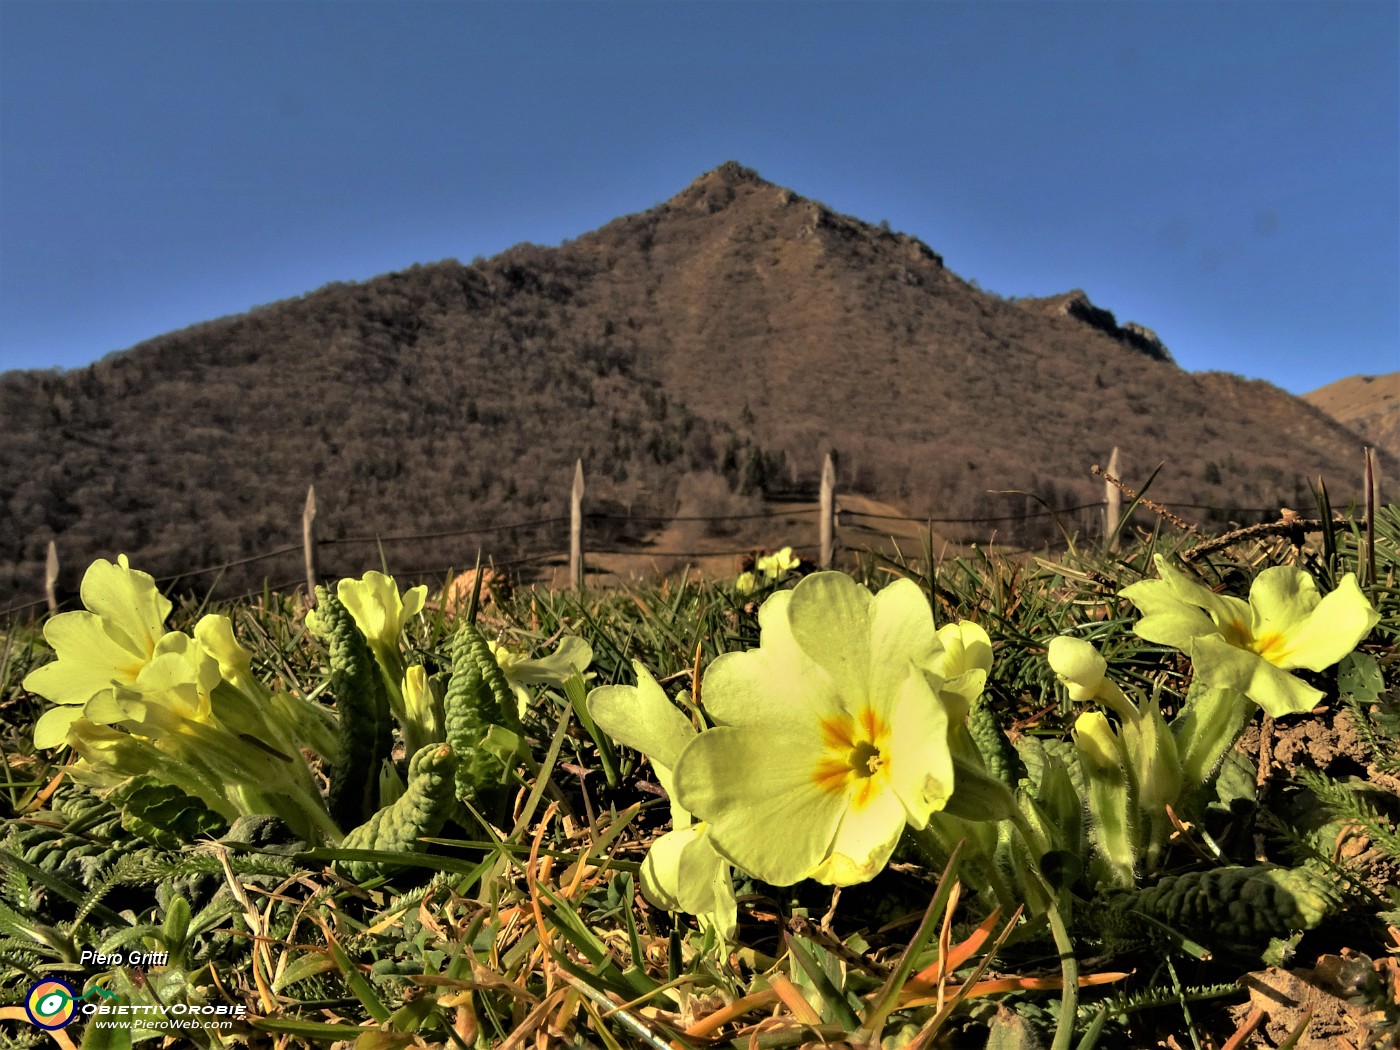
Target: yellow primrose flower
1250,646
172,688
570,657
777,564
682,871
830,736
963,663
747,583
1107,766
374,604
215,634
110,642
101,649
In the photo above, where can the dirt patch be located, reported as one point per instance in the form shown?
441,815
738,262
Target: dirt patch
1327,742
1345,1001
862,525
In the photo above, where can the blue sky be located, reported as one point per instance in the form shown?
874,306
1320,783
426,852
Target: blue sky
1224,173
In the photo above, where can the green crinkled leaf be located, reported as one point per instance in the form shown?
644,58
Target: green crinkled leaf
1237,779
1359,678
479,716
164,815
1000,757
1235,904
365,723
422,810
1034,752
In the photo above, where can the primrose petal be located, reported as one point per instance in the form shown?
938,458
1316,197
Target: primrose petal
89,660
1331,629
215,634
1272,688
643,718
919,762
127,601
1221,608
773,811
570,657
863,843
830,616
1099,746
413,601
1166,619
681,871
775,629
864,642
965,647
374,604
1281,599
51,730
775,688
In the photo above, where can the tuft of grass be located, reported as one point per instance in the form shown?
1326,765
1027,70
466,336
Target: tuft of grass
534,932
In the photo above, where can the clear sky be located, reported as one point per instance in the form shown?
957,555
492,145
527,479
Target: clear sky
1225,173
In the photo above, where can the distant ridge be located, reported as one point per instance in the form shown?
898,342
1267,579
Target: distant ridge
1368,405
700,351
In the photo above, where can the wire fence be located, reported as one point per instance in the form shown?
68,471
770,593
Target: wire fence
848,520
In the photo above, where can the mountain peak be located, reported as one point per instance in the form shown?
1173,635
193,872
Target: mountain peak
731,173
713,344
717,188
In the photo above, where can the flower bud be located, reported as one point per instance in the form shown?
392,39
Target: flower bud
1078,665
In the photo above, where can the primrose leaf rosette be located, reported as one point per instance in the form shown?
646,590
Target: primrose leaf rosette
1251,646
830,736
682,871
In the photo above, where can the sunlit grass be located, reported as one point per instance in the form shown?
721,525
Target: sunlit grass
525,926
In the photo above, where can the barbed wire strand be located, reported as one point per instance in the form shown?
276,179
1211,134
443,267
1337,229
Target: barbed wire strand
537,522
643,552
407,537
844,512
703,517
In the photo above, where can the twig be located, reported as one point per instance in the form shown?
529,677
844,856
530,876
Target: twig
1133,497
1289,525
1266,756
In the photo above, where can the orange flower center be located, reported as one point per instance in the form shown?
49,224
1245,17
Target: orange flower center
1270,646
856,756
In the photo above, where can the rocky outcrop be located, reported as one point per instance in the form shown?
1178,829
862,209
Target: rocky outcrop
1076,305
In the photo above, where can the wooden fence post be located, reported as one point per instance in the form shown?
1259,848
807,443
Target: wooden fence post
308,541
51,577
576,528
828,511
1113,502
